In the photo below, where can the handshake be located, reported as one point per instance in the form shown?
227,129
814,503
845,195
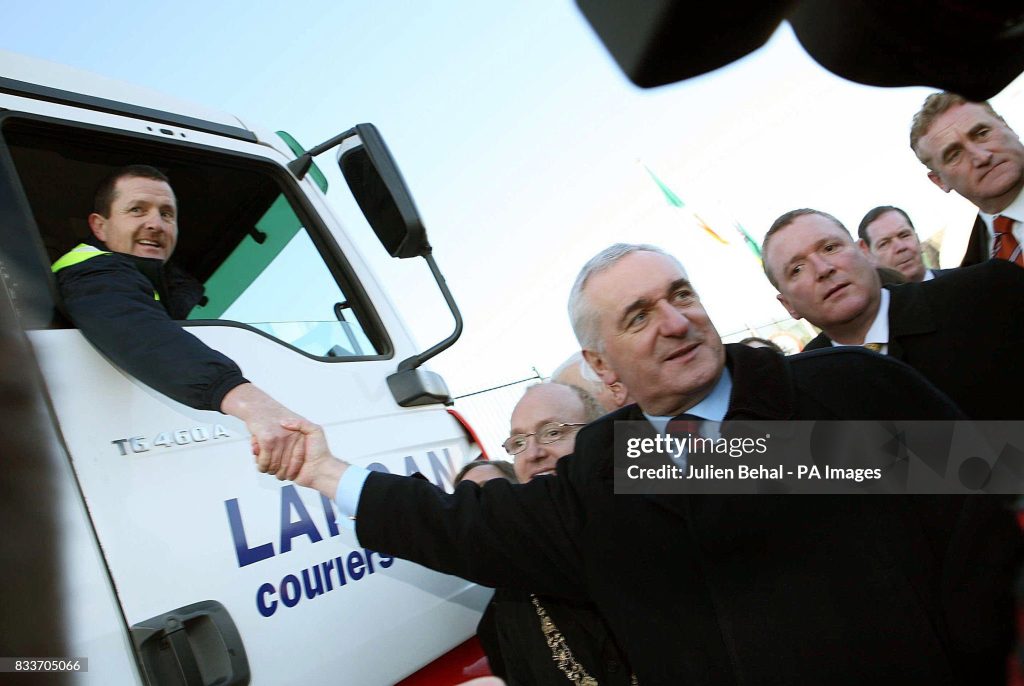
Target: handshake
308,463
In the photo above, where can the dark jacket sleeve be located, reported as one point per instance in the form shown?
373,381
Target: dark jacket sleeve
112,303
522,536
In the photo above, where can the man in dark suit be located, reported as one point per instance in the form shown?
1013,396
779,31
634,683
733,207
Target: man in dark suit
887,234
701,590
970,149
963,332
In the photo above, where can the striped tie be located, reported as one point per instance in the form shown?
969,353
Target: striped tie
1005,246
874,347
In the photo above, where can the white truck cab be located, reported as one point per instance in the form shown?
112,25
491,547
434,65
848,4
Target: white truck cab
181,564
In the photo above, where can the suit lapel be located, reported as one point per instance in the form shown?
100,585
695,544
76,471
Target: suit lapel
819,342
977,244
676,504
895,348
910,314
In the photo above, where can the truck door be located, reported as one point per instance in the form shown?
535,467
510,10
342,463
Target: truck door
179,510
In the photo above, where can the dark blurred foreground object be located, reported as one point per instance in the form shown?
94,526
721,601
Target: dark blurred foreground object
32,623
972,48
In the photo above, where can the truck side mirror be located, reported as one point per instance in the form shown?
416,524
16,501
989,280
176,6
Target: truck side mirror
380,191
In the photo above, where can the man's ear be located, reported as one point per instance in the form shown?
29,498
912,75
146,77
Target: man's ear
620,394
98,224
937,180
864,248
785,303
600,366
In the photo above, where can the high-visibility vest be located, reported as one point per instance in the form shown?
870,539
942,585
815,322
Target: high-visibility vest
80,253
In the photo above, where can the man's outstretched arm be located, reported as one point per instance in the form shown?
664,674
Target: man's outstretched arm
112,303
511,535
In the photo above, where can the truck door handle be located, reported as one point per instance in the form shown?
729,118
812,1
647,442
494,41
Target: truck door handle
194,645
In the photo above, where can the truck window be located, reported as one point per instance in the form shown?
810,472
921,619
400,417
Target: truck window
281,287
265,260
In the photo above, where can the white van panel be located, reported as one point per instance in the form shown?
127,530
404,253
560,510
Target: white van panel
93,624
185,523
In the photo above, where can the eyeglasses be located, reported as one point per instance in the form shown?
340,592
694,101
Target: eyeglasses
549,433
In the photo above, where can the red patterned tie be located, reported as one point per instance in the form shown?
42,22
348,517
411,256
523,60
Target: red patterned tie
1005,246
684,425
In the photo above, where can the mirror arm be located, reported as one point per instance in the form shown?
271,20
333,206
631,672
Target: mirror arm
301,164
416,360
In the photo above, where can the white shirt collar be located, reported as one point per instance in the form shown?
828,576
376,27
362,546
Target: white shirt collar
928,275
878,332
1014,211
712,408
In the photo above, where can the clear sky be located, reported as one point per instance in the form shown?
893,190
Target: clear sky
524,145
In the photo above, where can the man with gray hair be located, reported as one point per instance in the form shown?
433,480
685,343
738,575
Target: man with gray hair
542,431
699,590
970,149
576,372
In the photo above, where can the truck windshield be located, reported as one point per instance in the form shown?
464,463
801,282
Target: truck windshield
281,287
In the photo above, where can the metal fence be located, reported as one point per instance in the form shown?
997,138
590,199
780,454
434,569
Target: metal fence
488,412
